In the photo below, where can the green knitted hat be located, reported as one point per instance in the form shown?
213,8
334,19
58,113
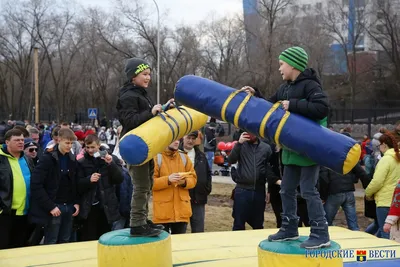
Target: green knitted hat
296,57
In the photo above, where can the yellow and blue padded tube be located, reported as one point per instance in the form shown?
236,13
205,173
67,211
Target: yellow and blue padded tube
269,120
283,254
143,143
325,147
118,248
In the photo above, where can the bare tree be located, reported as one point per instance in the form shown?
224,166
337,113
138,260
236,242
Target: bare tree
346,25
385,31
16,49
224,51
314,38
54,31
276,18
99,60
181,58
5,105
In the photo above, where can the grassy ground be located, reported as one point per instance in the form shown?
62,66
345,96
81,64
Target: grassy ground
219,212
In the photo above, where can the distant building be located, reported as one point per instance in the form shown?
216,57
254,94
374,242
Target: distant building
368,50
252,26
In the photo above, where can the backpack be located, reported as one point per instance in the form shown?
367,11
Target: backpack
159,159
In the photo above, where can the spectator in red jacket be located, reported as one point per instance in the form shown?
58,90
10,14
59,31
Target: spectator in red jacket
364,143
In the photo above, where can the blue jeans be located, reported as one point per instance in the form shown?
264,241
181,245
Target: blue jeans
307,178
248,206
381,214
373,228
348,203
59,228
118,225
210,158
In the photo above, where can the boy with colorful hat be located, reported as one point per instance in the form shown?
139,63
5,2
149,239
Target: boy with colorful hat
135,107
301,94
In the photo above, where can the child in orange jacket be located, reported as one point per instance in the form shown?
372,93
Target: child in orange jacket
174,175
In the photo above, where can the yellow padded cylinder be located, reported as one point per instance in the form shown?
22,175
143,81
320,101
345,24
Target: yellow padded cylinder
143,143
289,253
118,248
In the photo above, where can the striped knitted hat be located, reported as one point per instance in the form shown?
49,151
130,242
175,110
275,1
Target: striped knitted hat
296,57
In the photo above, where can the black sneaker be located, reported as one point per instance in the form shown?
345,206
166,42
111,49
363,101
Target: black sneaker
155,226
145,231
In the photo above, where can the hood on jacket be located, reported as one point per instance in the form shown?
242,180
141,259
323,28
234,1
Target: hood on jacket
4,152
172,154
376,136
375,142
308,74
391,152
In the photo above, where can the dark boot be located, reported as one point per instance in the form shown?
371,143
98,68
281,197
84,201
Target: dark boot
319,236
155,226
288,231
145,231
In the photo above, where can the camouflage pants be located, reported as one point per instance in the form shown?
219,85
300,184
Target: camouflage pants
142,181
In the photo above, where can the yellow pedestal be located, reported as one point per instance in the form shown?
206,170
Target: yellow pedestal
118,248
289,253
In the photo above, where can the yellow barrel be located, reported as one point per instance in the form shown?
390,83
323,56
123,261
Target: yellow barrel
118,248
289,253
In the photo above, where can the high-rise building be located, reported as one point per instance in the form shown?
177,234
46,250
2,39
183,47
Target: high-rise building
252,26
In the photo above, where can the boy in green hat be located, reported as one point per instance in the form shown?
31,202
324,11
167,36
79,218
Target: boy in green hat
301,94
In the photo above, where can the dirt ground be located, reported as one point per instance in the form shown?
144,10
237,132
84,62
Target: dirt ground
219,212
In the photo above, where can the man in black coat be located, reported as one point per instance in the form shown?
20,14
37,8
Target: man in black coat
249,196
97,177
55,199
199,194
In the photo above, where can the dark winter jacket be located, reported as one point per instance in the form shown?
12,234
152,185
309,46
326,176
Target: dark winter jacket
45,181
253,165
210,142
333,183
275,162
134,107
124,194
199,194
305,98
111,174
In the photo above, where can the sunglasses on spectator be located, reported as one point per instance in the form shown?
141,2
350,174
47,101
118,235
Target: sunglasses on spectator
33,149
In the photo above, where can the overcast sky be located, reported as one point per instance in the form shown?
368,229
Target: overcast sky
174,12
182,11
